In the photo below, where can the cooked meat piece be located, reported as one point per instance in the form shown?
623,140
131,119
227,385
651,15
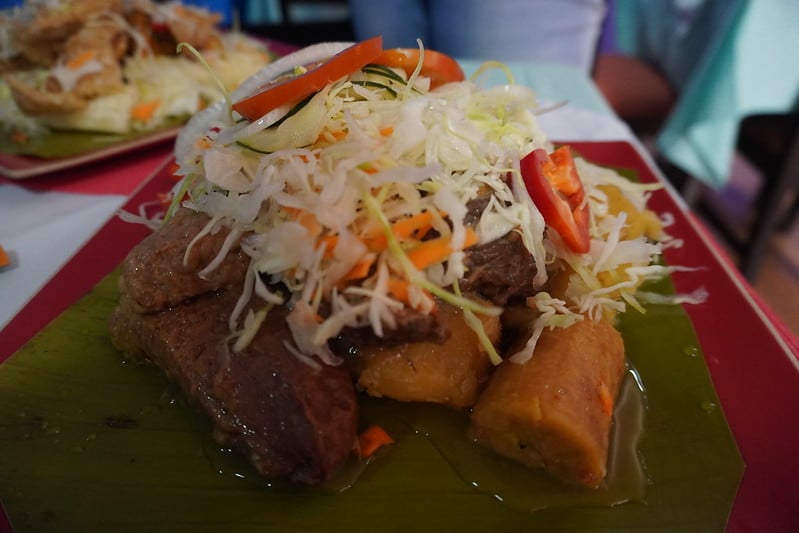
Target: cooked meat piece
554,411
35,101
195,26
108,42
41,38
500,270
411,326
289,419
105,42
13,64
450,373
415,326
155,275
160,41
475,208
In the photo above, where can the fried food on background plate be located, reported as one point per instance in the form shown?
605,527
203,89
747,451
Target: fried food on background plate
84,65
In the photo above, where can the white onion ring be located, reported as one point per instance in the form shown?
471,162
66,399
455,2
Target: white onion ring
201,122
304,56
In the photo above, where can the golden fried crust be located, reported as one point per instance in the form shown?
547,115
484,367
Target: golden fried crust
40,39
554,411
195,27
37,101
101,38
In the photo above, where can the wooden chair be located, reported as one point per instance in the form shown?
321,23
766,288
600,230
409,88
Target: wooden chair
771,144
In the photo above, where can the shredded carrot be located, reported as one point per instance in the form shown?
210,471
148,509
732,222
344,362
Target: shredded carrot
417,225
369,168
387,132
307,220
437,250
371,440
361,269
81,59
330,136
329,242
165,198
19,137
414,226
144,111
399,288
173,171
605,399
4,259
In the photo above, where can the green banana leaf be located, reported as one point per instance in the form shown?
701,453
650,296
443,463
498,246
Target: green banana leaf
89,442
68,143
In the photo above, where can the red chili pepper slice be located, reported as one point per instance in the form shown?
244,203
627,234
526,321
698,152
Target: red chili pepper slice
555,188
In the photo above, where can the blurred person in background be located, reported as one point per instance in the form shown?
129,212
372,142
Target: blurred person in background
652,49
550,31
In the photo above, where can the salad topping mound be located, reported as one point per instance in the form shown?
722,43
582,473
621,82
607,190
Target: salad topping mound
368,195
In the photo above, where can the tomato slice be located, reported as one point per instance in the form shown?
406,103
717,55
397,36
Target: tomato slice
440,68
555,187
294,88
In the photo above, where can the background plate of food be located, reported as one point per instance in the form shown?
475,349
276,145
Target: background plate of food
84,81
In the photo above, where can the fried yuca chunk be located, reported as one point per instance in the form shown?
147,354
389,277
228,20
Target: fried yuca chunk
554,411
450,373
639,221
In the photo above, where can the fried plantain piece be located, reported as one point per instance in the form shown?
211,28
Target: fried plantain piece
450,373
555,410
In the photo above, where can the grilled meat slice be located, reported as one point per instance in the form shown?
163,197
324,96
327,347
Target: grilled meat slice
289,419
451,372
500,270
155,275
555,411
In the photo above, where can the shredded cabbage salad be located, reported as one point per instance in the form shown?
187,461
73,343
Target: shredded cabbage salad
317,194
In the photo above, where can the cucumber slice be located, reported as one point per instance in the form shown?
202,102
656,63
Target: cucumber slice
376,85
300,127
